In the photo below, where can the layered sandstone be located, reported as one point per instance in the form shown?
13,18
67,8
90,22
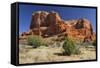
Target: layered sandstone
47,24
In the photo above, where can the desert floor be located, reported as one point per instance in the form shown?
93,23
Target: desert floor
28,54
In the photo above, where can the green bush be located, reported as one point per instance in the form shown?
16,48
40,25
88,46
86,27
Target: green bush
94,42
35,41
69,47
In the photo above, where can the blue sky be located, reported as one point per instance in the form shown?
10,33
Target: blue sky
66,13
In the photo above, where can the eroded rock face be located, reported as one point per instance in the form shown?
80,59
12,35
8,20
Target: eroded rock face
38,19
49,24
81,29
53,19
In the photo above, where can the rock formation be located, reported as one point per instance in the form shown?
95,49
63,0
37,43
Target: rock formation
47,24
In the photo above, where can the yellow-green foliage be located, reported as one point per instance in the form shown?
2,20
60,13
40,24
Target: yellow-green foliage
35,41
94,42
69,47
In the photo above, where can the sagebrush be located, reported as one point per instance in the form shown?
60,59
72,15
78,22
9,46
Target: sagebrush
35,41
70,47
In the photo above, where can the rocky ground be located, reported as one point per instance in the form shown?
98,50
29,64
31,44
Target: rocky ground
28,54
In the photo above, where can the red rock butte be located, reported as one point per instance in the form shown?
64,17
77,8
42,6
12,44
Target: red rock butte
47,24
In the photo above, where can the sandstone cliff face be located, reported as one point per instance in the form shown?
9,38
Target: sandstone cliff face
81,29
49,24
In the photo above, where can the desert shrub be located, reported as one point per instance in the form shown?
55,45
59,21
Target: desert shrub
35,41
94,42
70,47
